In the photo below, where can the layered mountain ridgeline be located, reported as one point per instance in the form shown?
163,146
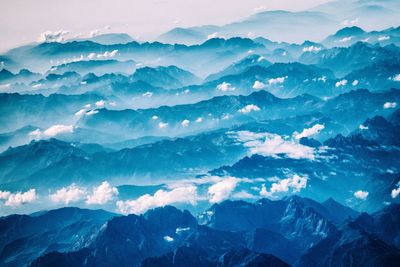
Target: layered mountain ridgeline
205,58
292,231
98,67
24,76
316,23
366,158
351,35
226,111
174,156
343,60
210,55
23,237
168,77
324,73
20,110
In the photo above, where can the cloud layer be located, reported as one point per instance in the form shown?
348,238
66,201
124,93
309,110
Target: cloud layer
19,198
187,194
102,194
267,144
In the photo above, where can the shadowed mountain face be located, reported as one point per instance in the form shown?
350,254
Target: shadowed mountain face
62,230
269,141
298,231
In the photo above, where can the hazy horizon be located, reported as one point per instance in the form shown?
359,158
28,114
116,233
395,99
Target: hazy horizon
20,26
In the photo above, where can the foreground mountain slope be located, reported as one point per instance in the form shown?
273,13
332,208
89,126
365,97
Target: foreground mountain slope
23,237
298,230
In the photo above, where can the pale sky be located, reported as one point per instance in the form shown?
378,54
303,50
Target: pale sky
22,21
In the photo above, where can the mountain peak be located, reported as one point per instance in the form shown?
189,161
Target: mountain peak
349,31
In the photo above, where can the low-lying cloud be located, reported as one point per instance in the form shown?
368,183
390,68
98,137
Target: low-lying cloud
179,195
69,194
267,144
294,184
225,87
316,129
102,194
19,198
50,36
249,108
52,131
222,190
275,81
362,195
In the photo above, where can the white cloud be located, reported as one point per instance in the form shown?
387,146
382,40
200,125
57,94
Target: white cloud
226,117
213,35
92,112
36,134
388,105
260,9
106,54
58,129
81,112
355,83
162,125
316,129
94,33
4,194
383,38
52,131
362,127
49,36
224,87
147,94
168,238
92,56
185,123
258,85
185,194
261,58
341,83
154,117
199,120
102,194
19,198
5,86
295,184
181,230
345,39
395,78
396,192
361,194
350,22
72,193
278,80
312,49
249,108
100,103
222,190
267,144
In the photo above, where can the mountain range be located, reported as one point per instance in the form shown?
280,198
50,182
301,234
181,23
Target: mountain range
268,141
